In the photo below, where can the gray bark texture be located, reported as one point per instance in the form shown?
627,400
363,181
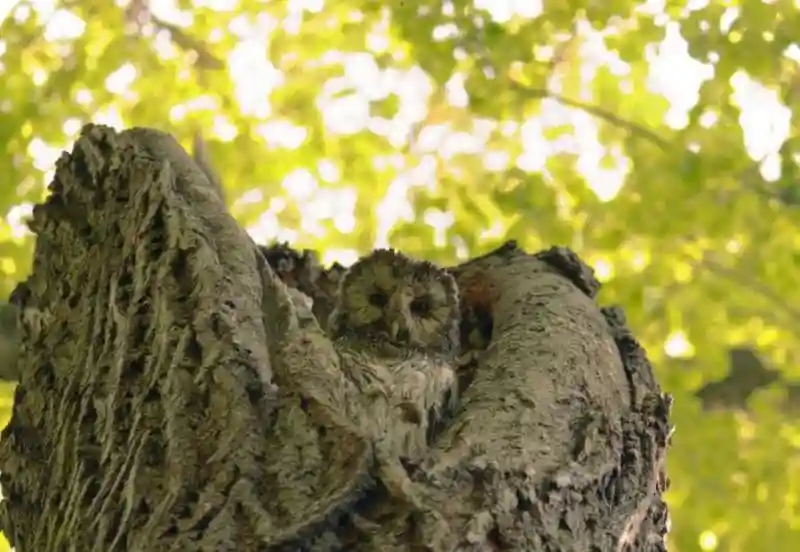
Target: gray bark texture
148,415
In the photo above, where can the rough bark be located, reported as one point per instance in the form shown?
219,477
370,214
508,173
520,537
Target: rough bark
145,413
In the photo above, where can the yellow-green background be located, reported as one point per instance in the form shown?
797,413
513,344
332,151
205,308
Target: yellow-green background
701,250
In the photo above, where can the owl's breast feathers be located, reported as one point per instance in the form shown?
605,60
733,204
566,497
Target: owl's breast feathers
399,397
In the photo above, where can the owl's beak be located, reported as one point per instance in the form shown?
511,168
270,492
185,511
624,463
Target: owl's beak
398,331
398,326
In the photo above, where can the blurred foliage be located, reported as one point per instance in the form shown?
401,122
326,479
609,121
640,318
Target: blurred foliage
586,125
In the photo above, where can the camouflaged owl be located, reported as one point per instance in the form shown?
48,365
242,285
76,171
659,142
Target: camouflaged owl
396,329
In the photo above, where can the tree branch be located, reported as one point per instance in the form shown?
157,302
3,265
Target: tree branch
753,285
598,112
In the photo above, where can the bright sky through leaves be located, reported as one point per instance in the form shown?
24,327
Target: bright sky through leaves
674,74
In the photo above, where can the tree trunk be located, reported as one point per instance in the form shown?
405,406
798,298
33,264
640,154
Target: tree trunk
144,415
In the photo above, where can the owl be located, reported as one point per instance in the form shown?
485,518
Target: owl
381,379
386,297
395,327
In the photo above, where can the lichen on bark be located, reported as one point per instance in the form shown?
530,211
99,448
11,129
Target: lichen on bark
146,417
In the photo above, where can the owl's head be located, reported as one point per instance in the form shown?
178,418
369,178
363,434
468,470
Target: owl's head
386,296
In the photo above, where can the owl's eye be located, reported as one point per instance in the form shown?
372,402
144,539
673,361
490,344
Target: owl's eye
421,305
378,299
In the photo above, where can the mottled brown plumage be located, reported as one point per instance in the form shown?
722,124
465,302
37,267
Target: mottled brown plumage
387,368
387,297
396,327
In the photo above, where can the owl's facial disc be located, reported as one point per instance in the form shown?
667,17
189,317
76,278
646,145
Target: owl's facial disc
374,307
388,298
405,312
